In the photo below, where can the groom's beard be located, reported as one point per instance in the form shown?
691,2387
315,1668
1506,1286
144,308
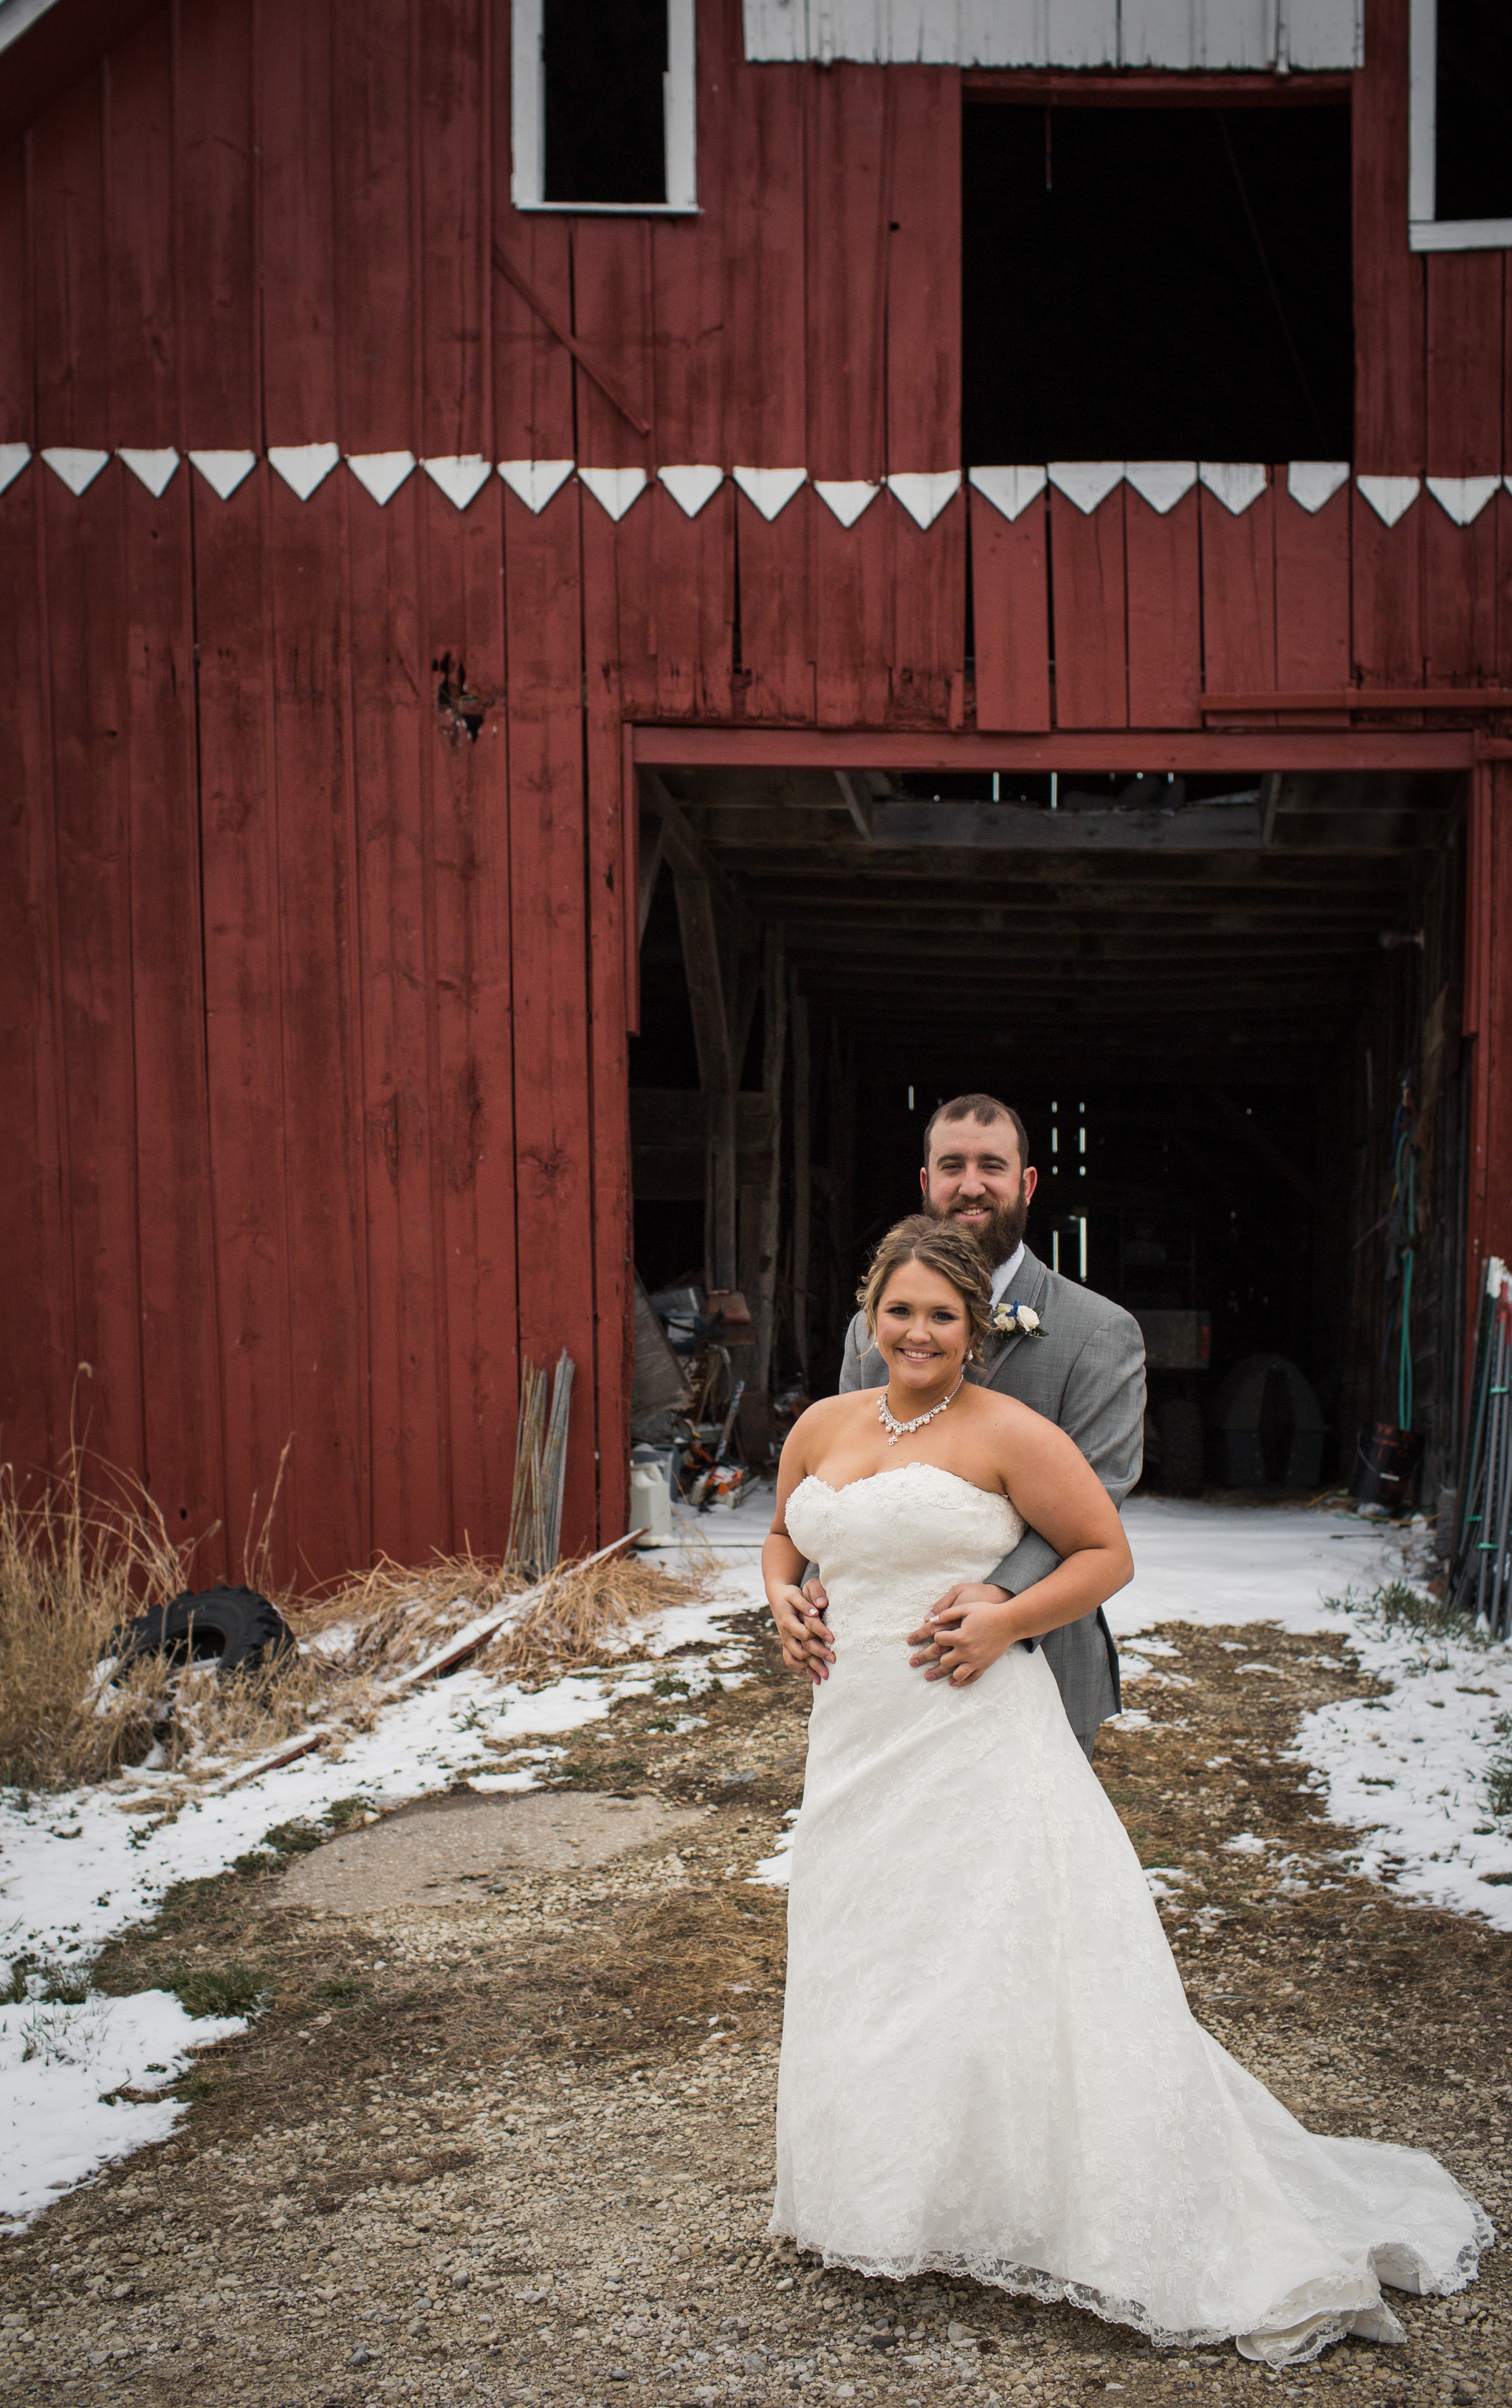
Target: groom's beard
999,1237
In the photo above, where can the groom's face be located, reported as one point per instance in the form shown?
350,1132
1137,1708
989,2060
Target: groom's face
974,1176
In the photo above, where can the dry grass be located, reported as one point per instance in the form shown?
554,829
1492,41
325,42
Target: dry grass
74,1565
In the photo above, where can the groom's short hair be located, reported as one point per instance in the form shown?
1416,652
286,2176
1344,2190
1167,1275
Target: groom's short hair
976,1108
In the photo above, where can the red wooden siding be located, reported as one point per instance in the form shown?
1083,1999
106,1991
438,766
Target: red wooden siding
315,1007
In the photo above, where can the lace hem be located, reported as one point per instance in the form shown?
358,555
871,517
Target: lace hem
1309,2333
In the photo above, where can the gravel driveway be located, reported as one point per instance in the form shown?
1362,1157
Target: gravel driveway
507,2136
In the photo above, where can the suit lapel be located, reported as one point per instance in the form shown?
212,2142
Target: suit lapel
1029,1287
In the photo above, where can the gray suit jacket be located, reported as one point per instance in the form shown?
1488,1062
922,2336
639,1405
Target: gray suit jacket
1085,1369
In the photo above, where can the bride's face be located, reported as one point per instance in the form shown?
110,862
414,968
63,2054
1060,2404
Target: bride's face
922,1328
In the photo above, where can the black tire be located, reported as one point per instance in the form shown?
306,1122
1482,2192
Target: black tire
1181,1446
235,1627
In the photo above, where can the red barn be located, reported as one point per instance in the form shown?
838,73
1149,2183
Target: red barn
601,602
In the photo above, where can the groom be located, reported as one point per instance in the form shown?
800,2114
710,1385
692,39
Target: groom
1077,1358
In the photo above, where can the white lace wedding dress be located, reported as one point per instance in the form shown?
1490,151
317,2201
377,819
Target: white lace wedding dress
989,2066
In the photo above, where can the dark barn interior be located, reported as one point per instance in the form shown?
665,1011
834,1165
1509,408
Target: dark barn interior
1228,1009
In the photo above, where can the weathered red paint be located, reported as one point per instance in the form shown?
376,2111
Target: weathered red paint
314,1006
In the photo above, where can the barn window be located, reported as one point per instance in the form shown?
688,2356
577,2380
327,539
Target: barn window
1157,283
1461,189
604,105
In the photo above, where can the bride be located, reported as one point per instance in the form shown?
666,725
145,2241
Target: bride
989,2066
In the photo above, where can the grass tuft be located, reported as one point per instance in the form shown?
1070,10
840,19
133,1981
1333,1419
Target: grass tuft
223,1991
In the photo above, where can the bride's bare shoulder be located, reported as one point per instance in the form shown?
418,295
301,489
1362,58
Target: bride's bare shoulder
826,1415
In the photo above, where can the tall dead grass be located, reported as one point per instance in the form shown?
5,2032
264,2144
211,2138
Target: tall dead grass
72,1566
75,1565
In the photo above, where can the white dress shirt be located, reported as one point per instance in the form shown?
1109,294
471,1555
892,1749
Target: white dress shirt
1007,1273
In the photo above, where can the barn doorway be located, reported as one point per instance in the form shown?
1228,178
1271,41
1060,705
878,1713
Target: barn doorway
1228,1007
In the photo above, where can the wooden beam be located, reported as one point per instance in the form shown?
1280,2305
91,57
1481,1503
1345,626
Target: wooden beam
589,365
1118,751
774,1053
711,1040
801,1169
652,836
933,830
857,802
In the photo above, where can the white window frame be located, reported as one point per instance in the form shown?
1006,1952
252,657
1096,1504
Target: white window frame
1425,231
528,109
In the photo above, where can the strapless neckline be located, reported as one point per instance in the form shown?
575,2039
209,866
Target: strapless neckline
896,1472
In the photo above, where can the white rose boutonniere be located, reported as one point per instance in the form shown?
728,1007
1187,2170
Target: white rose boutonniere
1015,1321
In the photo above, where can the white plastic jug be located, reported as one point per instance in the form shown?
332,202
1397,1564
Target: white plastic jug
650,1504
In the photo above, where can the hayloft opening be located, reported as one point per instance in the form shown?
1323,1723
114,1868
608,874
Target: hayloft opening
1156,283
1227,1007
602,71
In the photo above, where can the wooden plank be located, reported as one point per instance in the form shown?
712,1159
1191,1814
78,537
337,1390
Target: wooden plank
760,131
1386,578
1466,343
94,869
927,579
1010,614
850,638
183,1461
243,1001
142,333
549,945
1312,592
1388,277
1087,587
379,374
219,290
1204,750
850,569
296,203
1238,557
775,676
687,611
611,802
473,1025
393,684
1165,635
927,585
922,253
803,1171
1460,590
70,297
38,1346
17,389
453,234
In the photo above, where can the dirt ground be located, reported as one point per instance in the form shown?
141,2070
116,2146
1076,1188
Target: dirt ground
508,2137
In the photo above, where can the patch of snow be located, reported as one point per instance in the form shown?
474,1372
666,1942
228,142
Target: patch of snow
80,1865
60,2068
774,1869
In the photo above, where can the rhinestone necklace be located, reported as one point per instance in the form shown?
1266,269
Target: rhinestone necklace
896,1429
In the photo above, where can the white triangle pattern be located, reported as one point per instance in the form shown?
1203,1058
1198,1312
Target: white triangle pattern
846,496
535,481
381,473
78,469
770,490
1312,482
13,459
224,471
614,489
1462,498
461,477
303,465
1009,490
690,488
153,469
1389,497
1086,483
1235,484
924,495
1162,483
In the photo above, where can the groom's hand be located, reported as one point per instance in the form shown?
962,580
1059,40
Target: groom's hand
959,1636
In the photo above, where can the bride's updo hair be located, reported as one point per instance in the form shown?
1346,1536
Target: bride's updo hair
942,1247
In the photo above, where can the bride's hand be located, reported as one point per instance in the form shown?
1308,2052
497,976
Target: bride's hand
806,1643
970,1628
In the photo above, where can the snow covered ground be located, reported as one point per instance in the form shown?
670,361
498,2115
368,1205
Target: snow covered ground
78,1868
